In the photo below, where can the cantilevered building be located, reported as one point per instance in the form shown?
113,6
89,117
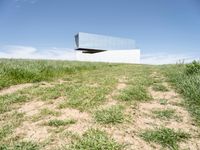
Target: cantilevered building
100,48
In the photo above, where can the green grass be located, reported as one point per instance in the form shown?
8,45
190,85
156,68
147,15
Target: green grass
134,93
187,85
8,122
86,86
24,145
71,135
159,87
95,140
48,93
57,123
163,101
76,93
5,130
112,115
83,98
8,100
164,114
14,71
43,113
165,136
47,111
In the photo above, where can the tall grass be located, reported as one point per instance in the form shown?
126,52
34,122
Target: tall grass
188,84
14,71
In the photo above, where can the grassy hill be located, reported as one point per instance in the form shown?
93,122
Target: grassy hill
82,105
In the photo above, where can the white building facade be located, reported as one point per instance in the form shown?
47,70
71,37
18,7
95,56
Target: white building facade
100,48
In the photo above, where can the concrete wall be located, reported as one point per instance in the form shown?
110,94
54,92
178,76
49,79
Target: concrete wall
114,56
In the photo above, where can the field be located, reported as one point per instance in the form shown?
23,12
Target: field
61,105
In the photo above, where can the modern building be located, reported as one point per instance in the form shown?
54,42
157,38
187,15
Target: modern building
100,48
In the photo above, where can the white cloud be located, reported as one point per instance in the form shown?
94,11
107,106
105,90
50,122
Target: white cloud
27,52
166,58
28,1
20,2
16,51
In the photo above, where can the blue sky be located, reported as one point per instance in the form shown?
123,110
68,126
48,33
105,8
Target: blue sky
164,30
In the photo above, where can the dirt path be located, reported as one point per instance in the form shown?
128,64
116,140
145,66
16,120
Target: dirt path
168,100
142,118
110,98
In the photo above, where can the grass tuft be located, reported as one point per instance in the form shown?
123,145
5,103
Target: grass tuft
165,136
46,112
163,101
134,93
57,123
5,130
26,146
164,114
43,113
95,140
112,115
160,87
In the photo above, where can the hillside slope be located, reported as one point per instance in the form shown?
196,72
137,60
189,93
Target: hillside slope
76,105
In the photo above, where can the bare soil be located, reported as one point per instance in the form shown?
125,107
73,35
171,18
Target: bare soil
140,118
14,88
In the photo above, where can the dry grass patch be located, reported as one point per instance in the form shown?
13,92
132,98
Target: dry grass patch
32,131
45,112
31,108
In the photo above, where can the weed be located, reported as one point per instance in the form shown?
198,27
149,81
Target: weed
111,115
165,136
